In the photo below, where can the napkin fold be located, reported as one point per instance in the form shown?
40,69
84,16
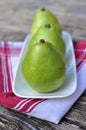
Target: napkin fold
47,109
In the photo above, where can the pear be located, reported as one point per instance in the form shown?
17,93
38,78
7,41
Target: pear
49,33
44,67
42,17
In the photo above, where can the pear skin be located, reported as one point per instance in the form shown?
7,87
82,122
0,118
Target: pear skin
44,67
42,17
49,33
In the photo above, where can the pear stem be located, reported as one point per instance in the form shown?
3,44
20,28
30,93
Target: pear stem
43,9
42,41
48,26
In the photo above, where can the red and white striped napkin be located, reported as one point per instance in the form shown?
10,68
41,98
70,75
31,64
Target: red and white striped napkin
48,109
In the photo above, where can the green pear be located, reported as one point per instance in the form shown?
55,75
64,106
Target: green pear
49,33
42,17
44,67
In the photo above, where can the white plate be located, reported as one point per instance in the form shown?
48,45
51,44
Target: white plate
22,89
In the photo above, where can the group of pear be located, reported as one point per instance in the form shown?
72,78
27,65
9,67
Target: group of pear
44,64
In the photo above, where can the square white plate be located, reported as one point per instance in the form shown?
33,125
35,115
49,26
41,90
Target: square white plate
22,89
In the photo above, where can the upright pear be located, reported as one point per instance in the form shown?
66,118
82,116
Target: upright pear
44,67
42,17
49,33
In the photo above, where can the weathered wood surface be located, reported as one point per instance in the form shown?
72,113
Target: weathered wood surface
15,21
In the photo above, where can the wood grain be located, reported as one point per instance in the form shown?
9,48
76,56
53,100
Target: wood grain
16,17
15,22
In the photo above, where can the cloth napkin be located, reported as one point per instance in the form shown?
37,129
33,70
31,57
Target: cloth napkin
48,109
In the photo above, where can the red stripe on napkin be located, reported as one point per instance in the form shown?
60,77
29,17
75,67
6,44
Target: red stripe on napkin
80,53
8,50
34,105
7,98
1,77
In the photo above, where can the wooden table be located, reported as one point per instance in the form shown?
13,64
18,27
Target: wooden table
15,21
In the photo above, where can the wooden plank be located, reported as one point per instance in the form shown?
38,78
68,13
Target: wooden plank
10,119
15,26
